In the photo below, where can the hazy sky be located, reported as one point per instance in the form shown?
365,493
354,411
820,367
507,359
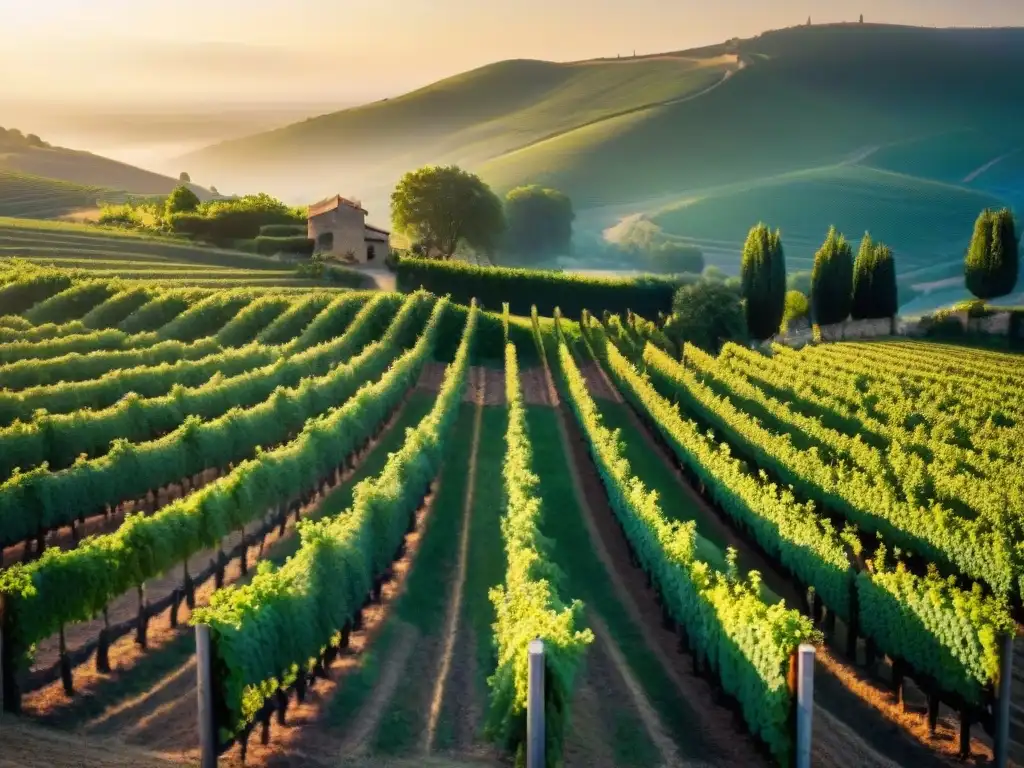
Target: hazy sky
108,51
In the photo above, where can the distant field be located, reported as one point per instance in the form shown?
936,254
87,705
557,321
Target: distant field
26,196
117,254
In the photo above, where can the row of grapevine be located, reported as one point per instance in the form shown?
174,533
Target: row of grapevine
39,499
991,398
74,585
73,303
117,308
967,546
78,366
244,327
269,632
40,333
162,308
918,479
145,380
880,411
528,605
749,645
788,531
59,439
947,636
331,321
294,320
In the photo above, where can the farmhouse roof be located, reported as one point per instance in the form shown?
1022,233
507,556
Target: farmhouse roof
333,203
371,228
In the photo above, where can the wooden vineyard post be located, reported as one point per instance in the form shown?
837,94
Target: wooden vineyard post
1005,683
204,693
802,669
535,706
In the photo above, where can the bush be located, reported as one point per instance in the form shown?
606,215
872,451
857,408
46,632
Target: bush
706,314
301,246
283,230
797,311
392,259
182,200
546,289
223,221
122,216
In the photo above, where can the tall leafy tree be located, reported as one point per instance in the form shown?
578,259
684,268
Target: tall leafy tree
443,206
874,281
763,281
832,280
993,258
539,221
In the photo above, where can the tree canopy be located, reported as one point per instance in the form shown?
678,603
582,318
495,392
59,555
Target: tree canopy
832,280
539,222
993,258
706,314
443,206
182,200
874,281
763,281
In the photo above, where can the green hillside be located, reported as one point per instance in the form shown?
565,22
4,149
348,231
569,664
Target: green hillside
33,157
924,220
26,196
904,131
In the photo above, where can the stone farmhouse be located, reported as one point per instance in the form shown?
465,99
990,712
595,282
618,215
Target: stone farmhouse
339,228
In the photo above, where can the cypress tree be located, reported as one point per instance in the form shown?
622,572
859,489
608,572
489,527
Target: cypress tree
763,281
874,281
832,280
992,262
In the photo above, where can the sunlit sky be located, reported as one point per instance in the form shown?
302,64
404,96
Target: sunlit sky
130,51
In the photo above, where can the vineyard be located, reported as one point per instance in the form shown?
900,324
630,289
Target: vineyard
361,506
110,253
34,197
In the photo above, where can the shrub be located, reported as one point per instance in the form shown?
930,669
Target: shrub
182,200
548,289
301,246
706,314
283,230
122,216
797,311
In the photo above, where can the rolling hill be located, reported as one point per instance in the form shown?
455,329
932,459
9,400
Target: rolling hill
903,131
42,181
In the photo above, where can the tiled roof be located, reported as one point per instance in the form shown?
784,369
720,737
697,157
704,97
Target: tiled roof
331,203
372,228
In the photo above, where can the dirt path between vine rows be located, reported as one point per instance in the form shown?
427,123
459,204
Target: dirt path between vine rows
716,738
453,619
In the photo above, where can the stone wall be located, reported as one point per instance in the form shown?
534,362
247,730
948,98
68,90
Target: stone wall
998,324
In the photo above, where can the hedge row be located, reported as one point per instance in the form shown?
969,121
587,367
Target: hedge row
546,289
300,245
